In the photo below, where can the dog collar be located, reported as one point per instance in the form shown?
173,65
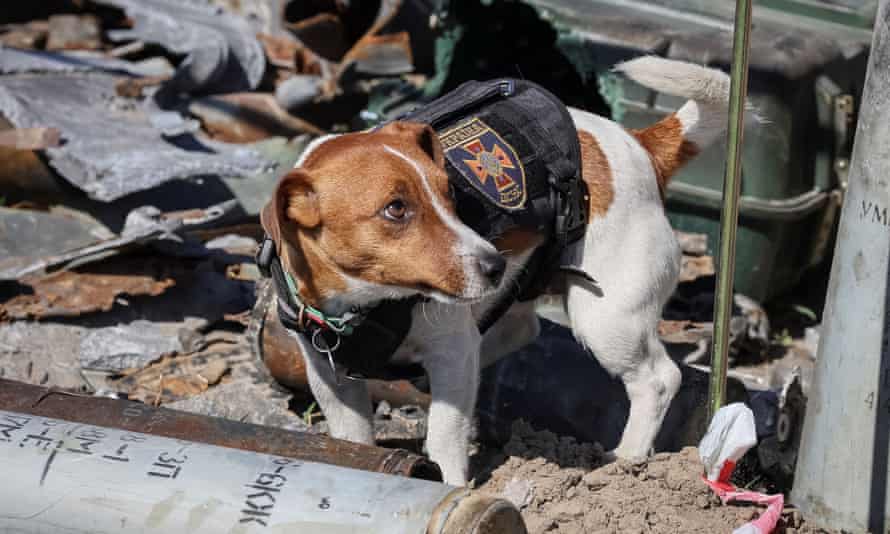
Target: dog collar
305,318
360,342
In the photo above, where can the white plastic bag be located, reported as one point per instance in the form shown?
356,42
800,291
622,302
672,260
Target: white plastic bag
730,435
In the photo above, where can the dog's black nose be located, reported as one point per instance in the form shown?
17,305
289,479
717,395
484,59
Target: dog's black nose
493,267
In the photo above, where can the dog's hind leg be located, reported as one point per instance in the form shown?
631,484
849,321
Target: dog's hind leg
626,344
636,270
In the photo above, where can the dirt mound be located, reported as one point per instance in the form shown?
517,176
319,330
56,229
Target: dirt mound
563,486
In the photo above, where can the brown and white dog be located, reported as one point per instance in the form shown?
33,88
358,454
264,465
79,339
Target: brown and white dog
367,216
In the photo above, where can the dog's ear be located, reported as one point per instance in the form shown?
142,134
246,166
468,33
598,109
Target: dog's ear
422,135
294,202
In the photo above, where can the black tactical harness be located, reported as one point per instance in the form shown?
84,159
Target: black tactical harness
514,161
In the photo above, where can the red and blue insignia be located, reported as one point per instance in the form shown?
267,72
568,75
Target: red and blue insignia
488,162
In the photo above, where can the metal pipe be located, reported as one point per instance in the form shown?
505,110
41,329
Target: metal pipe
137,417
842,478
62,475
729,215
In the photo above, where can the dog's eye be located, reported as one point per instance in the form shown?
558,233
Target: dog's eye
396,210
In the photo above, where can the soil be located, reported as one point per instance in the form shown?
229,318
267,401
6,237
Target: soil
561,485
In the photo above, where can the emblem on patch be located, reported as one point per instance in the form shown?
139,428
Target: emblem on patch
488,162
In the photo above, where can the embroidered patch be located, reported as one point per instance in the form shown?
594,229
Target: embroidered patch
488,162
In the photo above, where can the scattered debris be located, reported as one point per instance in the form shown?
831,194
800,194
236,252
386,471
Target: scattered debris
247,402
15,61
26,235
111,146
120,348
42,354
176,377
143,225
222,52
70,293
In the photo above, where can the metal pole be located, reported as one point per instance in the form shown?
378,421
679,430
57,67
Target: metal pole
842,478
730,212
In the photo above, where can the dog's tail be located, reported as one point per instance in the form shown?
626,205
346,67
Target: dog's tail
679,137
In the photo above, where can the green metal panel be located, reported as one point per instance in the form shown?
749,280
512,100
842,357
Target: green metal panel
806,72
789,175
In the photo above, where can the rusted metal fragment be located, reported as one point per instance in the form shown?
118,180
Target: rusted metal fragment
223,54
138,417
112,146
74,32
69,294
176,377
30,138
247,117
